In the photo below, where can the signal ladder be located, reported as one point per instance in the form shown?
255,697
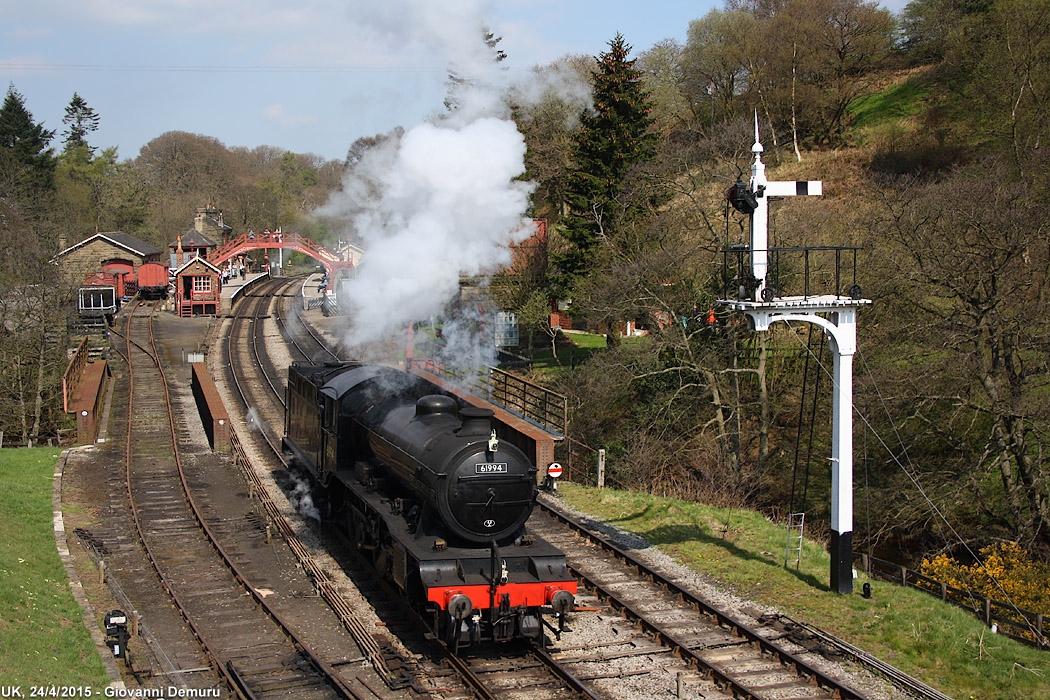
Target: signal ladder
796,523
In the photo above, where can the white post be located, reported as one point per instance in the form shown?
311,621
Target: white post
759,218
842,475
840,324
601,469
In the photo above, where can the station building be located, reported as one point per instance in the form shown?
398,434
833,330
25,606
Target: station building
101,251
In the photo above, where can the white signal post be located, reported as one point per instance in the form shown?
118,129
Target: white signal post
836,314
763,190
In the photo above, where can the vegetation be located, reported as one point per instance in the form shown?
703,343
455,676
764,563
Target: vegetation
929,130
932,165
1003,572
42,633
605,147
943,646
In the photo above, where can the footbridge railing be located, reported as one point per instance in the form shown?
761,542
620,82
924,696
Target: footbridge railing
345,258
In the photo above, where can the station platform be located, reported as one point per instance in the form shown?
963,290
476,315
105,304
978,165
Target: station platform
236,284
86,400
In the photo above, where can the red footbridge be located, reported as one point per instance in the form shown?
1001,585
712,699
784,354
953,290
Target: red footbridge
344,259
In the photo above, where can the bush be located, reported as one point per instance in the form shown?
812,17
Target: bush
1005,572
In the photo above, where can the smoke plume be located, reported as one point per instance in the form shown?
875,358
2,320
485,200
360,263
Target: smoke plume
442,198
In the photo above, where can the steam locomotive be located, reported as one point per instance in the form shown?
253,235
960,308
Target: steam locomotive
431,496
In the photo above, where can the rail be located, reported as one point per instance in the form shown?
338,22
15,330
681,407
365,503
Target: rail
394,674
534,403
1025,626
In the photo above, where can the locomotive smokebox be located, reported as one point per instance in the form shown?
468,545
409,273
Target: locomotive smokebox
469,485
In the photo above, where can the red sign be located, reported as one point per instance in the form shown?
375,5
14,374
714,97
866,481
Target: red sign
554,470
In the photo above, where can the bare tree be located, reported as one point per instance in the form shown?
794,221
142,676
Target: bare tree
971,255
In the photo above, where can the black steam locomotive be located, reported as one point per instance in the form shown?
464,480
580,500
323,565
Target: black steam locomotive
431,496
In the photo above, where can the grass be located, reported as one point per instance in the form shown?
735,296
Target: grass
939,644
574,348
42,637
899,100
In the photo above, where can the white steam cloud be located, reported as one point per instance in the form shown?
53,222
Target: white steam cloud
441,199
447,202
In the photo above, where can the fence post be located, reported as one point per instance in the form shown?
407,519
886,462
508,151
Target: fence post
944,590
988,611
601,468
904,576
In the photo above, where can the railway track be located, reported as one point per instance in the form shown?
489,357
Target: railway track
305,343
722,650
535,676
737,678
559,674
213,581
257,381
658,637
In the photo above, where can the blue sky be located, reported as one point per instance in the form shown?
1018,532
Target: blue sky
309,76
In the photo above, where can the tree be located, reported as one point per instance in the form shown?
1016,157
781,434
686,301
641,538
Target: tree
715,64
970,254
458,85
81,120
360,147
610,141
26,142
183,171
1010,52
663,67
547,111
823,53
288,186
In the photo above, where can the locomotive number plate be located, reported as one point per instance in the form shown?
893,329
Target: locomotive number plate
491,468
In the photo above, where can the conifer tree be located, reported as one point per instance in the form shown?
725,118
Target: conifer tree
611,139
25,144
81,120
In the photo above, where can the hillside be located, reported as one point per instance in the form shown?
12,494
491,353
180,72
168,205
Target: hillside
744,552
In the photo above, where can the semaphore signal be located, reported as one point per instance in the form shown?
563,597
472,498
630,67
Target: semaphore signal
759,293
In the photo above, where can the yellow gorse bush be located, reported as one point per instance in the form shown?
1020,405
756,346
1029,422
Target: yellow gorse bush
1009,574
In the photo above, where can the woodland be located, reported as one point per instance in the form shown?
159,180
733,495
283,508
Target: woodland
928,129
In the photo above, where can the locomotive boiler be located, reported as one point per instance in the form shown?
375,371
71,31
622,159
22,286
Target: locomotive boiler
432,496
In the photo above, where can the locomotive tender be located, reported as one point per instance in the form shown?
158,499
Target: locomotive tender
432,498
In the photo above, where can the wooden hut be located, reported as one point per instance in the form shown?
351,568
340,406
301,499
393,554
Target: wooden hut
197,288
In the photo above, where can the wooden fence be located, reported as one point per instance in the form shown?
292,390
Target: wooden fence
1007,619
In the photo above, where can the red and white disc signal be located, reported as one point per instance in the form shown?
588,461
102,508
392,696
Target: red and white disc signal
554,470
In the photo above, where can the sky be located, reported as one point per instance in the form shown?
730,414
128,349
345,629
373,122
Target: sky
308,76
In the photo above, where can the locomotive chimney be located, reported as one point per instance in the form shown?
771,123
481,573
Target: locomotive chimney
477,422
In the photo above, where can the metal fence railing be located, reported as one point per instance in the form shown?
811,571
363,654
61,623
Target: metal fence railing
535,403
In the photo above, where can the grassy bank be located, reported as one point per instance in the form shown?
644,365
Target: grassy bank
934,642
42,637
